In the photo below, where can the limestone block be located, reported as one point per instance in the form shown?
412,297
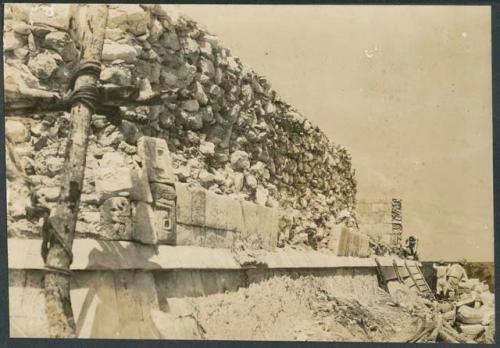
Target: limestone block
115,218
171,40
215,238
262,222
165,225
156,159
18,198
61,43
198,206
189,235
144,223
137,19
472,330
112,182
12,41
112,51
164,199
240,160
191,202
55,15
16,131
163,194
183,211
117,75
342,240
223,213
43,65
141,190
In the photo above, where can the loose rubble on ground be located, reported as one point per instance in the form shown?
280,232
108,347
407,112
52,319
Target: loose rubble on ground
310,308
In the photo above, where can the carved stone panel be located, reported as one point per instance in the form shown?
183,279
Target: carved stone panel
164,198
156,159
116,218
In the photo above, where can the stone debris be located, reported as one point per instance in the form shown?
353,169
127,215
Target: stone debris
297,307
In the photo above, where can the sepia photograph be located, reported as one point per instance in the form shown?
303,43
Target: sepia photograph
249,172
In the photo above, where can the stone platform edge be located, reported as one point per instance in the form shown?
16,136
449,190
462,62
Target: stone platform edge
90,254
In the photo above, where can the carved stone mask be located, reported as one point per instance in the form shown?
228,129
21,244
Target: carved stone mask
115,210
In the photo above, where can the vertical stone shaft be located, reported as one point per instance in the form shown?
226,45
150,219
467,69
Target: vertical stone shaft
89,22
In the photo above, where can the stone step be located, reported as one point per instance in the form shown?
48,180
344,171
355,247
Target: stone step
90,254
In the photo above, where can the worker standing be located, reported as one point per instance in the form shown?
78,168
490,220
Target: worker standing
456,274
441,284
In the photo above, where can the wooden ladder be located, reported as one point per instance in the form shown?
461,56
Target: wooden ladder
396,270
418,279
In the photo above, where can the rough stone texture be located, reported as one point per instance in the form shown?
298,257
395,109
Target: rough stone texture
144,223
381,220
218,221
224,126
156,159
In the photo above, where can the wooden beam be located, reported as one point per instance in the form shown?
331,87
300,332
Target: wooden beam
89,22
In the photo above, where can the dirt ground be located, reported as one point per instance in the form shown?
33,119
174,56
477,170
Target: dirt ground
303,309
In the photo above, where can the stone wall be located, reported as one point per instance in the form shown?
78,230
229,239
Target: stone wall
124,303
227,131
381,220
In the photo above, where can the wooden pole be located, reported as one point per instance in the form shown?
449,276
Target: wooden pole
89,22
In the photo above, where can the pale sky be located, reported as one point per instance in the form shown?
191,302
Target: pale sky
406,89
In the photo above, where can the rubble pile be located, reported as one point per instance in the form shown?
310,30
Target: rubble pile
226,129
306,308
468,318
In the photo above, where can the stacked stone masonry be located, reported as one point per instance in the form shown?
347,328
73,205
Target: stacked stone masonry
381,220
226,130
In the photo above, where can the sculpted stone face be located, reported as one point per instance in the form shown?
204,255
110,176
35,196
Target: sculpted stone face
156,157
116,217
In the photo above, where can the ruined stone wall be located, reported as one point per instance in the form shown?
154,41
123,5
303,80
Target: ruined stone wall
381,220
125,303
226,129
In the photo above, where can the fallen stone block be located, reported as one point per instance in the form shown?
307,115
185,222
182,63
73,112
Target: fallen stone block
12,41
156,159
468,315
16,131
472,330
450,316
144,223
